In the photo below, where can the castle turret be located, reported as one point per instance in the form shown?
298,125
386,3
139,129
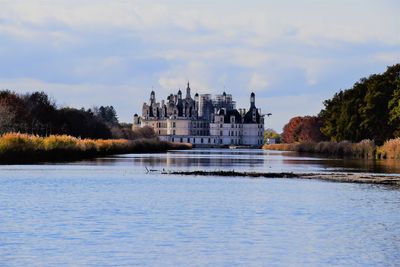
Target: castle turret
136,122
179,95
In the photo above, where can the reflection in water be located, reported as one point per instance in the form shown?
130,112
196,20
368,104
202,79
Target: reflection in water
250,159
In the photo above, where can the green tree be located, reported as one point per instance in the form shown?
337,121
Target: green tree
270,133
368,110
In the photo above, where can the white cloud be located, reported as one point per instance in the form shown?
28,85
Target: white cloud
283,46
257,22
258,82
177,77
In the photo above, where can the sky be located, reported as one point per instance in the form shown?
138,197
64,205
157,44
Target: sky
292,54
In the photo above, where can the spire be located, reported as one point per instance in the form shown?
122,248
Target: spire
152,97
252,100
188,91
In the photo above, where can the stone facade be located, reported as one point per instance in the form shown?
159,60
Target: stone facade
203,121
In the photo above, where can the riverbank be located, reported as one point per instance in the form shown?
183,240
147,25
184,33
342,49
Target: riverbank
365,149
18,148
333,177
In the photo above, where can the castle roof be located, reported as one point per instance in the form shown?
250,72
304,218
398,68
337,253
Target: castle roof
228,113
248,117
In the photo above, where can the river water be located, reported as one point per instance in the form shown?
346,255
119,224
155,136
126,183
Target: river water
111,212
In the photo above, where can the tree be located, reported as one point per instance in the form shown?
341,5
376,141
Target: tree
12,113
303,129
368,110
81,123
107,114
41,113
270,134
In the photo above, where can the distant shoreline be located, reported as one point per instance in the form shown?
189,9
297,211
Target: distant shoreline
363,178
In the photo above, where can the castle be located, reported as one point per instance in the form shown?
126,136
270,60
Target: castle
203,121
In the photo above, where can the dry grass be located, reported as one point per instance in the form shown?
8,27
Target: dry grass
282,147
363,149
16,147
389,150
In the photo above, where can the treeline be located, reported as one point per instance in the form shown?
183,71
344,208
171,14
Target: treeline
35,113
368,110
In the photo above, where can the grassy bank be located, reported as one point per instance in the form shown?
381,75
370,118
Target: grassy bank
364,149
24,148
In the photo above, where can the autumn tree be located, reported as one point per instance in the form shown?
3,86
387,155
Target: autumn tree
303,129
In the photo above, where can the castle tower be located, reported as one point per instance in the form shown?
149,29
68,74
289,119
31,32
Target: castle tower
179,95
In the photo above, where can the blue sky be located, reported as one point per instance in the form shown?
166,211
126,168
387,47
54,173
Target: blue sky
292,54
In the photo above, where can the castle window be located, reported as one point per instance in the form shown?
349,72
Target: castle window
201,140
209,140
220,133
173,124
173,132
181,140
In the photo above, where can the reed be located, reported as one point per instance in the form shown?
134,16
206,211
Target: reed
25,148
281,147
363,149
389,150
